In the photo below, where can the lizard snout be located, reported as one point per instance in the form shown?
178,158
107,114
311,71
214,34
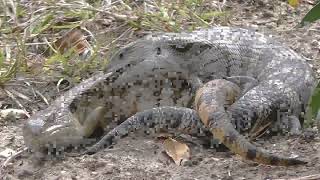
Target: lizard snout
32,132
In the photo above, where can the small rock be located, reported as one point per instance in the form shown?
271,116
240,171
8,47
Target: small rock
227,178
271,25
24,172
268,14
94,173
213,176
199,158
160,172
280,174
309,135
187,163
108,171
315,43
267,178
7,153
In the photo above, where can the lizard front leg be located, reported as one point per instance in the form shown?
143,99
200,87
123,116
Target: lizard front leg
60,136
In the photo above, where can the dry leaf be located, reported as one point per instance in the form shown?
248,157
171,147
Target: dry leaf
294,3
76,40
10,8
176,150
13,113
35,63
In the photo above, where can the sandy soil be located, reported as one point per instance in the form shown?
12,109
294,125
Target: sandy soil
141,157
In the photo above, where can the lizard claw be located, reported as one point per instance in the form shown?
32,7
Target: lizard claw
75,154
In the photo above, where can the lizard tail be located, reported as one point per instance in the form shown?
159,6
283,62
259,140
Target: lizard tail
210,101
165,118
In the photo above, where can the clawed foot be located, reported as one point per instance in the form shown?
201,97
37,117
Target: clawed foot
74,154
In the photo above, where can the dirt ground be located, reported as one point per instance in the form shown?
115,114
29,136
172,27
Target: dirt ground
141,157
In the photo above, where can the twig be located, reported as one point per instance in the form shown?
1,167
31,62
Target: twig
42,96
13,156
90,33
309,177
50,46
58,84
120,17
26,44
115,40
199,18
14,99
125,5
22,96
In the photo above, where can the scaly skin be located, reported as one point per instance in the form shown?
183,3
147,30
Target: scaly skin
285,81
210,101
166,118
73,117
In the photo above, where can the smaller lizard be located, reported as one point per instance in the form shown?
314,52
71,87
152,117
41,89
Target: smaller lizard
285,80
211,102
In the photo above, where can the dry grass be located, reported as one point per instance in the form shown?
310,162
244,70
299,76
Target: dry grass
33,72
28,29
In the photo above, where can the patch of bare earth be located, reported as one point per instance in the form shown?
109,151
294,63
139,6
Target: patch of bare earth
140,157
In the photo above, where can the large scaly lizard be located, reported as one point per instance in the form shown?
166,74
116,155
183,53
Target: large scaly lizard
285,82
210,115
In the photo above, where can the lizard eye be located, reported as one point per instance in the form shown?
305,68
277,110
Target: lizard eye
120,55
158,51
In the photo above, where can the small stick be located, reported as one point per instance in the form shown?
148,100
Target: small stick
13,156
309,177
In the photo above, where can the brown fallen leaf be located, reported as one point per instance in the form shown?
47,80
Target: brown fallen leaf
76,40
176,150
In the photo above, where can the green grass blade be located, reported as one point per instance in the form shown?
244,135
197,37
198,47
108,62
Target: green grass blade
312,15
1,58
313,107
43,24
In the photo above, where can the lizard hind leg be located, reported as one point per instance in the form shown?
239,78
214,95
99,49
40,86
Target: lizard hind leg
256,103
288,124
294,125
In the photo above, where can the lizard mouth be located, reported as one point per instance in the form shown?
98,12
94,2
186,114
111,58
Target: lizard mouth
42,129
58,136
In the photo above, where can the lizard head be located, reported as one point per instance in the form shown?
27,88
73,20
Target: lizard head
166,51
32,131
42,132
57,125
